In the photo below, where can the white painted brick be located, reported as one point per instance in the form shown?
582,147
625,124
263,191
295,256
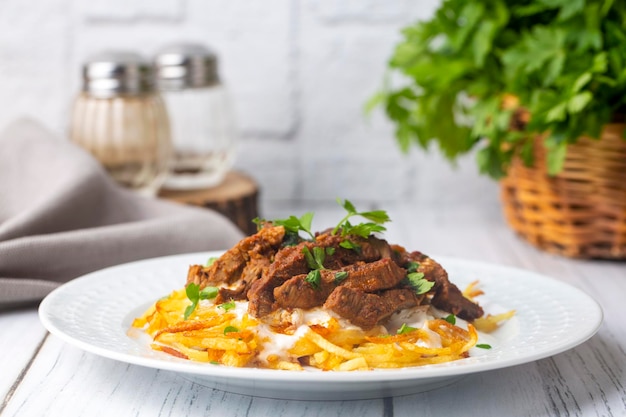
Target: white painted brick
253,46
274,164
33,61
130,10
255,43
370,11
300,72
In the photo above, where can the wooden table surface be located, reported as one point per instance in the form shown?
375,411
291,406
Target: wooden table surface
41,375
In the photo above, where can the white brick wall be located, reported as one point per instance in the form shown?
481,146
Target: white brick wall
300,72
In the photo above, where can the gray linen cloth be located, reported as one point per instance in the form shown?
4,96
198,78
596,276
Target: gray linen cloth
62,216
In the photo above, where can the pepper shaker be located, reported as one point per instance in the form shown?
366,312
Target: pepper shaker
202,121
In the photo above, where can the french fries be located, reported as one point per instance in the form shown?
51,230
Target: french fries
216,335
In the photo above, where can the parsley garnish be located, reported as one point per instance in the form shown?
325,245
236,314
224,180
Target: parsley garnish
483,346
314,278
340,276
296,225
230,329
405,329
194,294
227,306
450,318
210,261
412,267
315,261
347,244
420,284
376,218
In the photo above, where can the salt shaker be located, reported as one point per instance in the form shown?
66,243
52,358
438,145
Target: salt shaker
121,119
201,117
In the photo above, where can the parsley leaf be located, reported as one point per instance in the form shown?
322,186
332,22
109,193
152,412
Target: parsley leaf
295,224
194,294
340,277
405,329
347,244
230,329
420,284
483,346
314,278
316,259
227,306
208,293
450,318
412,266
376,219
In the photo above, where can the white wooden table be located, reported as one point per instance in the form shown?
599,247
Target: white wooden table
42,376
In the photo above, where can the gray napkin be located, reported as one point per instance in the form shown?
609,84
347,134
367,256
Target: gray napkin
62,216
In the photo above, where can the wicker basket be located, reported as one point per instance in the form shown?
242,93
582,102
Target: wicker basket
581,212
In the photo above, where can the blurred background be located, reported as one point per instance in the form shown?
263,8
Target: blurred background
299,72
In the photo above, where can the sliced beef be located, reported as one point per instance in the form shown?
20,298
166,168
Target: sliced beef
296,292
370,277
365,250
290,261
447,296
229,267
367,310
253,271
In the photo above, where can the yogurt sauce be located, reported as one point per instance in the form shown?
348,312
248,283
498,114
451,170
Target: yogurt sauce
278,344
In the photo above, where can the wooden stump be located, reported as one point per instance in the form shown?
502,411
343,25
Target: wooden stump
236,198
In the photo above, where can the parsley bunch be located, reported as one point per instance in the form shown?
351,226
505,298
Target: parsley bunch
493,74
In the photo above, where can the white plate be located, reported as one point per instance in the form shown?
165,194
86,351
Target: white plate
94,313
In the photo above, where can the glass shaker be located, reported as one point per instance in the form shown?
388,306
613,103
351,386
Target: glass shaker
203,126
122,120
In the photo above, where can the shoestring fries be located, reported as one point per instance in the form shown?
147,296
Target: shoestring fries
225,334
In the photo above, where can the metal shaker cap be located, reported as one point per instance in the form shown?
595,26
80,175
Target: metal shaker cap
185,65
111,73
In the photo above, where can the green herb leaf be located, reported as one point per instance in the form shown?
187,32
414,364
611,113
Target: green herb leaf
230,329
450,318
190,309
483,346
193,294
340,277
376,217
419,284
211,261
294,224
405,329
347,244
291,239
208,293
319,254
314,278
228,306
412,267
